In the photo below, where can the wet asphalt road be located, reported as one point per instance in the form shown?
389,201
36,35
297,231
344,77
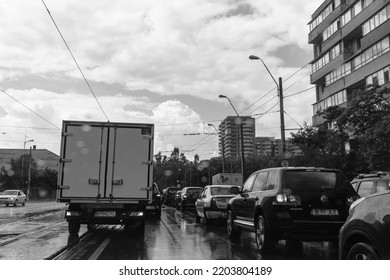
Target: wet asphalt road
176,236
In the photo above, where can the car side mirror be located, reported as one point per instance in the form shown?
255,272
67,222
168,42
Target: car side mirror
234,190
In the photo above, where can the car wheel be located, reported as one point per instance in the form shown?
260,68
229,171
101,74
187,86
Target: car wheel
263,240
158,212
15,203
73,228
232,231
205,220
91,227
362,251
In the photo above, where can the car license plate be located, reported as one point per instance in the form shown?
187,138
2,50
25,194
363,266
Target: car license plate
324,212
105,214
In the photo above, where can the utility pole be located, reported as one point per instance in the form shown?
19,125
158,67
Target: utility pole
29,177
282,130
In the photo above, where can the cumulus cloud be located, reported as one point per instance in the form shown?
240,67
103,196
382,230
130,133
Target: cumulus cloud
171,48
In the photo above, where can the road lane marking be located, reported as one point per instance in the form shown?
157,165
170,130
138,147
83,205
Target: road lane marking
100,249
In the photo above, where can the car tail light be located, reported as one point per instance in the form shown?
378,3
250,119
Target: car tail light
287,199
213,203
351,200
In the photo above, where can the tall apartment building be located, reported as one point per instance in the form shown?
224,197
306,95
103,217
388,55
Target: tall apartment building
269,146
229,136
351,49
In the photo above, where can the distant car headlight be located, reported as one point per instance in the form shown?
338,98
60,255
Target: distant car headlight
12,198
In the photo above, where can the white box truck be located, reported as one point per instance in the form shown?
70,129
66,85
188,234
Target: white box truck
105,173
227,179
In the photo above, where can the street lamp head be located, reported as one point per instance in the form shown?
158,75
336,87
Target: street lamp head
222,96
253,57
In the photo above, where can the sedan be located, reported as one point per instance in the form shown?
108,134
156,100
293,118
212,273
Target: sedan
365,234
212,201
13,197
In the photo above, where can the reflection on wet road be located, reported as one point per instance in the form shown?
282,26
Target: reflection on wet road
176,236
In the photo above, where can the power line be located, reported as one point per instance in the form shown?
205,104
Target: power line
29,109
74,59
299,92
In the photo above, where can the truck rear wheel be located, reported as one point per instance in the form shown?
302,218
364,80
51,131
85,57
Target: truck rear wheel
73,228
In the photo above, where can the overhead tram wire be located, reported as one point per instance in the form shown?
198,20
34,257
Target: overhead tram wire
74,59
292,75
35,113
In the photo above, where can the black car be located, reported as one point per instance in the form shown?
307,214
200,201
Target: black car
169,195
188,197
366,184
291,203
155,206
365,234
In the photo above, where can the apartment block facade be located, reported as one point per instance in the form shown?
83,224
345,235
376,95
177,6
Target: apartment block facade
272,147
229,136
351,46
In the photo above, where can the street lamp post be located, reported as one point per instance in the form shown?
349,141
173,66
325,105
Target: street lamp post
279,88
242,136
223,152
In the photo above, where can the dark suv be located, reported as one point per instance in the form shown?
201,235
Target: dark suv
291,203
366,184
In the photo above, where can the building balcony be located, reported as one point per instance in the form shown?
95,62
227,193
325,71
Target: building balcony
318,77
354,26
377,33
315,36
360,74
331,41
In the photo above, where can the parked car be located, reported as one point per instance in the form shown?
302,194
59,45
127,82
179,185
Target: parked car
213,200
169,195
365,234
13,197
155,207
187,197
291,203
366,184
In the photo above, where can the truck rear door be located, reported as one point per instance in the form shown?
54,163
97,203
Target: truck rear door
106,161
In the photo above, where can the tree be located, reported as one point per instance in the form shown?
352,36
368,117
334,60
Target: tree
364,126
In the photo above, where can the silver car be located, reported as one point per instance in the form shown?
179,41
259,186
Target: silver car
213,200
13,197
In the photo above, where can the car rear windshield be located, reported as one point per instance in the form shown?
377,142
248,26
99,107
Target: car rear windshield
220,191
314,180
10,192
194,191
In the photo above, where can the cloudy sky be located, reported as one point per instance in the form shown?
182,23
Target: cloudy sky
162,62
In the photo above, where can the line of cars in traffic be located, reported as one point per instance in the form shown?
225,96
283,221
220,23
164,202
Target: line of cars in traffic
299,204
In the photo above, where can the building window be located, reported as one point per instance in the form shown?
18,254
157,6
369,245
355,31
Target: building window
376,20
324,14
333,100
379,78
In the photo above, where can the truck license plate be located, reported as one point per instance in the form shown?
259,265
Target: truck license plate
105,214
324,212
